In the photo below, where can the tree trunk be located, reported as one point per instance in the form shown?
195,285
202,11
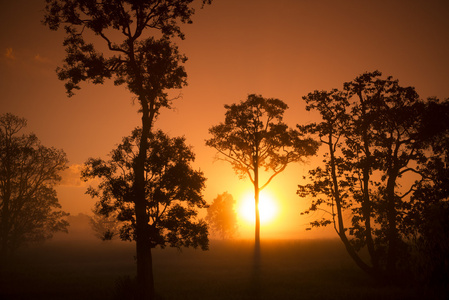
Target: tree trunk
366,211
4,224
145,284
257,221
5,213
366,169
367,205
392,232
4,231
145,281
341,228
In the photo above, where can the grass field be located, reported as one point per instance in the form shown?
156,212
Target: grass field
290,269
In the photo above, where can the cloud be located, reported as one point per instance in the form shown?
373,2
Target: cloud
71,176
41,59
24,58
9,54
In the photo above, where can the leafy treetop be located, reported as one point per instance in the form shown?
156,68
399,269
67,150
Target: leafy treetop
173,190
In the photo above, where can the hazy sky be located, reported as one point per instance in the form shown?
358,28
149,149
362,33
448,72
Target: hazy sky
282,49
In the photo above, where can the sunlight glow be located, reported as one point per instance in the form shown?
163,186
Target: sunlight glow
267,208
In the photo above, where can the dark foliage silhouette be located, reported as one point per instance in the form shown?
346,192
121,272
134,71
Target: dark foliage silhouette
29,207
253,137
428,219
375,165
172,191
140,55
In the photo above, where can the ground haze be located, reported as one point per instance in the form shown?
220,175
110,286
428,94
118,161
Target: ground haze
291,269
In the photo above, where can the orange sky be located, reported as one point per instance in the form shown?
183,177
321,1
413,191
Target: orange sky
282,49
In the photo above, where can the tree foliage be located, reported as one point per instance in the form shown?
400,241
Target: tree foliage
222,217
428,220
376,154
254,137
127,41
173,191
29,207
144,63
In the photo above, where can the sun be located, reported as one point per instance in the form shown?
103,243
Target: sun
267,208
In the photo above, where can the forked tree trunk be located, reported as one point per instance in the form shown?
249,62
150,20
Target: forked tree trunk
341,227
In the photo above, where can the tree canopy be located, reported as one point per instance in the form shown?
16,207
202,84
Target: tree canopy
222,217
373,131
254,137
129,41
29,207
173,190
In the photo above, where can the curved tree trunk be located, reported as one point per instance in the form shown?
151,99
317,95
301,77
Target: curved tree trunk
341,228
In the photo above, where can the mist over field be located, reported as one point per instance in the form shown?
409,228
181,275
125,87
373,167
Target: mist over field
80,266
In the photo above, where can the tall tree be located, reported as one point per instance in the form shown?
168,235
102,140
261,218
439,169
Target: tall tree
253,137
173,191
427,224
148,66
371,130
29,207
222,217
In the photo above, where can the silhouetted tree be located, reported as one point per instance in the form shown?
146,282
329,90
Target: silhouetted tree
222,217
172,191
428,221
29,207
371,131
252,137
105,227
147,65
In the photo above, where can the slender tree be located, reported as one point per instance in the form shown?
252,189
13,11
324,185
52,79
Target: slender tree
29,207
148,66
371,130
253,137
172,191
105,227
221,216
